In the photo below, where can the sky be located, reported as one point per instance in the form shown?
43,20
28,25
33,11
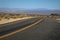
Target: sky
30,4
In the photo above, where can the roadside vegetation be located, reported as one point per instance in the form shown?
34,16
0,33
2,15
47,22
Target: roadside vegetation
55,15
8,16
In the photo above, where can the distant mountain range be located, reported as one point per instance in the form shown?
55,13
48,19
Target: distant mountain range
32,11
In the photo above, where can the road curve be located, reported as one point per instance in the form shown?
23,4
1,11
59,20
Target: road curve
48,29
16,25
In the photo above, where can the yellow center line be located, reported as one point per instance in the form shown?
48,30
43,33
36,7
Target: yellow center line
22,29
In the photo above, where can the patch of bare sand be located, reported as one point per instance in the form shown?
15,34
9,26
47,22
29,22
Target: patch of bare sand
58,20
11,20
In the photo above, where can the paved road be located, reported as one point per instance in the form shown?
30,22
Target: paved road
7,28
49,29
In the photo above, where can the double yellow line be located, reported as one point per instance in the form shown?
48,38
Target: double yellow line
22,29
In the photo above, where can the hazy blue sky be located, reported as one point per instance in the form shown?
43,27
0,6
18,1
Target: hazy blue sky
30,4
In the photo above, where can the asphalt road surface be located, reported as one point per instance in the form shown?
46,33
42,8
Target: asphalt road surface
48,29
7,28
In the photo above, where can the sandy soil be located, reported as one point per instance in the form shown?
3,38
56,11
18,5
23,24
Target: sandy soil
58,19
11,20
